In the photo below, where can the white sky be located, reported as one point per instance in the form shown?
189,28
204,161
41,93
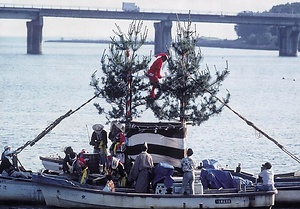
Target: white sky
96,29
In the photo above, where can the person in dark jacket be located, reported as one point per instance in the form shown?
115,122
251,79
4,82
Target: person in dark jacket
7,166
99,141
70,157
7,147
118,139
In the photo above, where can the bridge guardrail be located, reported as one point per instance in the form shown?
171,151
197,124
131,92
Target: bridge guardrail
93,8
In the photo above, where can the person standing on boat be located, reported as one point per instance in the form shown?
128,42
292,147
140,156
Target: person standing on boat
188,166
118,139
99,141
141,170
267,175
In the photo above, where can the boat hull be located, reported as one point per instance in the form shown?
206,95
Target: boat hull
52,163
18,190
62,193
288,193
287,185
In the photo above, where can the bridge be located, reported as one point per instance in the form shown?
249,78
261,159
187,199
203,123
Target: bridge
288,24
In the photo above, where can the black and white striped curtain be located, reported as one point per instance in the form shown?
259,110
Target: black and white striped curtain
166,141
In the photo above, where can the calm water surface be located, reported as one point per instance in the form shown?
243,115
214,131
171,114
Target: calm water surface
37,89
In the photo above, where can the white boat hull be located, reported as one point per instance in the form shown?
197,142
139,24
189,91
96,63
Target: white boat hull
70,195
287,185
18,190
52,163
288,194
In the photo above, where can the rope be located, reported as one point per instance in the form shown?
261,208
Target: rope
249,123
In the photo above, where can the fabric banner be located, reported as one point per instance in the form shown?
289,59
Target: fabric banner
166,141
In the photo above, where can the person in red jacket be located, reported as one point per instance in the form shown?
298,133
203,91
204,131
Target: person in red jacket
154,72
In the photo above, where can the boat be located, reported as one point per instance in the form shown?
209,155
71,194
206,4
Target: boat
62,192
287,184
52,163
20,190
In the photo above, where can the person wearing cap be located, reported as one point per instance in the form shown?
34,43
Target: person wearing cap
99,141
7,147
141,170
7,166
154,72
115,170
188,166
118,138
69,159
267,175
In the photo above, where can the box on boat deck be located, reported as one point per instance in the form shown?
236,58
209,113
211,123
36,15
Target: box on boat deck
161,189
93,160
176,189
198,188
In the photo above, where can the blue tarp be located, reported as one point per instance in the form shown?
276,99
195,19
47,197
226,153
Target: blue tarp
216,179
163,173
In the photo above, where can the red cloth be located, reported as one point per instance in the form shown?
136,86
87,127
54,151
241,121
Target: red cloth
154,71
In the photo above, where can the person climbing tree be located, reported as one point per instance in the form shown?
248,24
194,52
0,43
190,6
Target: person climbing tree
154,72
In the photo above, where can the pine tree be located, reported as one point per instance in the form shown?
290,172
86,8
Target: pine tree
189,94
122,84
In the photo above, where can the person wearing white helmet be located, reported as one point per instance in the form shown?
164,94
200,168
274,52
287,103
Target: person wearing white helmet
118,139
6,162
7,147
7,165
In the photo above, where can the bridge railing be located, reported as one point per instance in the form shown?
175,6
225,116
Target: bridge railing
93,8
29,6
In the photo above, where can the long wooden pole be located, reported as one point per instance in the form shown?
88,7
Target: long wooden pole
259,130
51,126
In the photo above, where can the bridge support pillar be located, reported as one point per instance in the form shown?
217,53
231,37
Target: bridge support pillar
163,36
34,36
288,41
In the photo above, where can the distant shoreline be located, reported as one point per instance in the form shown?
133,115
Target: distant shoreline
202,42
88,41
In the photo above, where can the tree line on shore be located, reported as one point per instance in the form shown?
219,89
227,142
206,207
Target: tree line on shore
260,35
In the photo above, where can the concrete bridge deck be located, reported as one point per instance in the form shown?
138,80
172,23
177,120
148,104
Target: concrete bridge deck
288,24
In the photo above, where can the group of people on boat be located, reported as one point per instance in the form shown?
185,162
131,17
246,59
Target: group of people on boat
140,172
115,164
109,161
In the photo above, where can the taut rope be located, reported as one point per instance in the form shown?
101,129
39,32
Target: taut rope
259,130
